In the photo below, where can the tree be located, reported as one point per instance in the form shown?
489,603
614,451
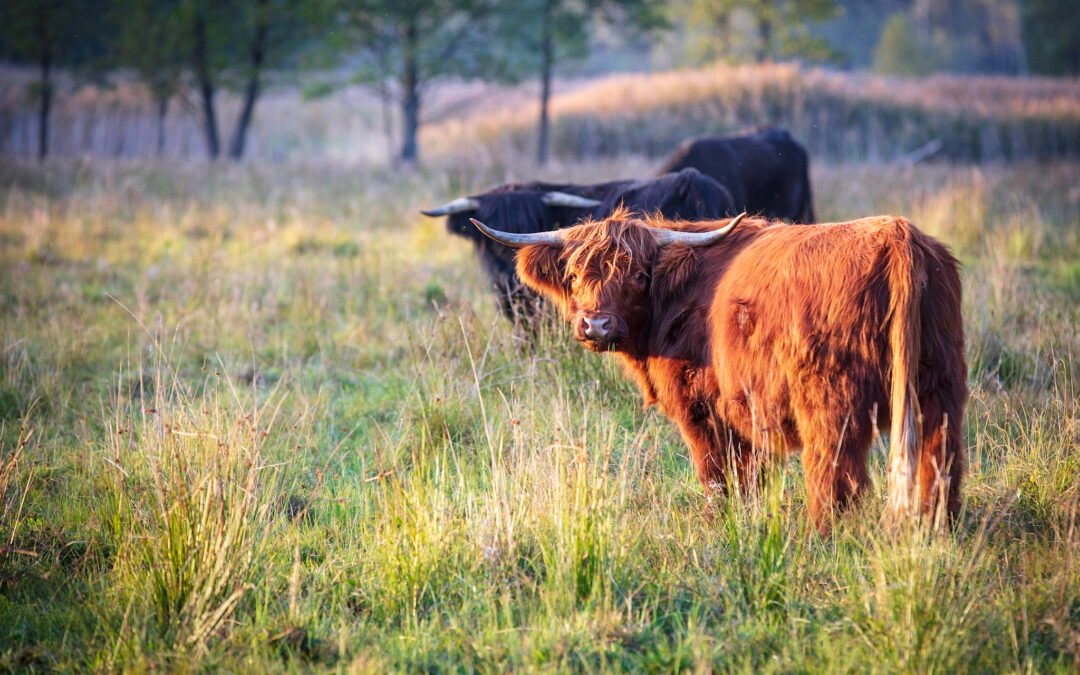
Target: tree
150,44
965,36
542,32
1051,30
232,45
901,52
778,28
209,45
50,34
412,43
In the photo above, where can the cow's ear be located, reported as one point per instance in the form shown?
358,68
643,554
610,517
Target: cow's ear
675,265
541,269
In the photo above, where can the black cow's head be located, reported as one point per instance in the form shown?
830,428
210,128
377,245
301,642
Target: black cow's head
513,208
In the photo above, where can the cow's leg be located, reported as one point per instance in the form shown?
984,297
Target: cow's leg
705,454
836,443
941,459
719,455
715,449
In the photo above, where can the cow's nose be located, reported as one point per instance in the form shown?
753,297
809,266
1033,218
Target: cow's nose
597,327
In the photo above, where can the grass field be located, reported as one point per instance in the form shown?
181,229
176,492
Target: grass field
267,418
839,116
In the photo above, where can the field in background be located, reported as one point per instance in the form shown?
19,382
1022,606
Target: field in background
120,121
266,417
839,116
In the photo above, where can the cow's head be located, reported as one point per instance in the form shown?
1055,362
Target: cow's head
600,274
514,208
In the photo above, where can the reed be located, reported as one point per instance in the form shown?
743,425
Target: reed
837,116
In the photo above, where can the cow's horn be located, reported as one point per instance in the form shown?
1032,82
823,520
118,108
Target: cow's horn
517,240
665,237
459,205
568,200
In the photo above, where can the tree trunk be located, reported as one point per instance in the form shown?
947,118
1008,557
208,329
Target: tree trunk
162,113
387,116
46,58
251,94
547,58
46,106
765,32
921,13
411,96
206,88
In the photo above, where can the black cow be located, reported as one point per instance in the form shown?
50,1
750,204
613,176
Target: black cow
538,207
767,172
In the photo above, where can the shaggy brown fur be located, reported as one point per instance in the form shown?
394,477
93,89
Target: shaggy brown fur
780,338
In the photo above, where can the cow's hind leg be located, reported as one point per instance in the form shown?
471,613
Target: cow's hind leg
941,459
834,457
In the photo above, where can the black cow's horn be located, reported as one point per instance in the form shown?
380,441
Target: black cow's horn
568,200
665,237
459,205
517,240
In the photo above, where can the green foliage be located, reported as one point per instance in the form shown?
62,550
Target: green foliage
966,36
571,23
153,41
52,34
402,46
72,33
900,51
1050,35
448,38
757,30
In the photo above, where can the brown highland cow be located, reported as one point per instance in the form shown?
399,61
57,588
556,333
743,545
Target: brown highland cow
762,339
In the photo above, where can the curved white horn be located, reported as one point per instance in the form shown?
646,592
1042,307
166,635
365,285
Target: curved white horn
459,205
568,200
665,237
517,240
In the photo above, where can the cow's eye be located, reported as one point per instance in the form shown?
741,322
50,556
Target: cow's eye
572,278
642,276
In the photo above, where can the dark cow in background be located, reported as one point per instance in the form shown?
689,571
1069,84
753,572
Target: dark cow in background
766,172
539,207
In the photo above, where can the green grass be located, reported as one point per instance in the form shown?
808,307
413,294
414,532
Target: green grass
267,418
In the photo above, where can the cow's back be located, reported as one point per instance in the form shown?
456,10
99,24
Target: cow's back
714,157
804,299
767,172
685,195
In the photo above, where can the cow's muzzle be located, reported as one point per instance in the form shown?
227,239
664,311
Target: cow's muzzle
599,331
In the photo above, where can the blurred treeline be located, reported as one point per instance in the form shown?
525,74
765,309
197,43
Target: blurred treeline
188,53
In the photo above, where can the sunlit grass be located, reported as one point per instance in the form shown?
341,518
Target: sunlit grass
841,116
268,418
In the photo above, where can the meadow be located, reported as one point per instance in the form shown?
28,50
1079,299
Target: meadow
267,417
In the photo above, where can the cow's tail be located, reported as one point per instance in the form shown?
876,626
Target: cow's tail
905,278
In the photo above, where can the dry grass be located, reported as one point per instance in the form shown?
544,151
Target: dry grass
120,120
844,116
839,116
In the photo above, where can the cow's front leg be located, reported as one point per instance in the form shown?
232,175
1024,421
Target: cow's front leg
720,456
